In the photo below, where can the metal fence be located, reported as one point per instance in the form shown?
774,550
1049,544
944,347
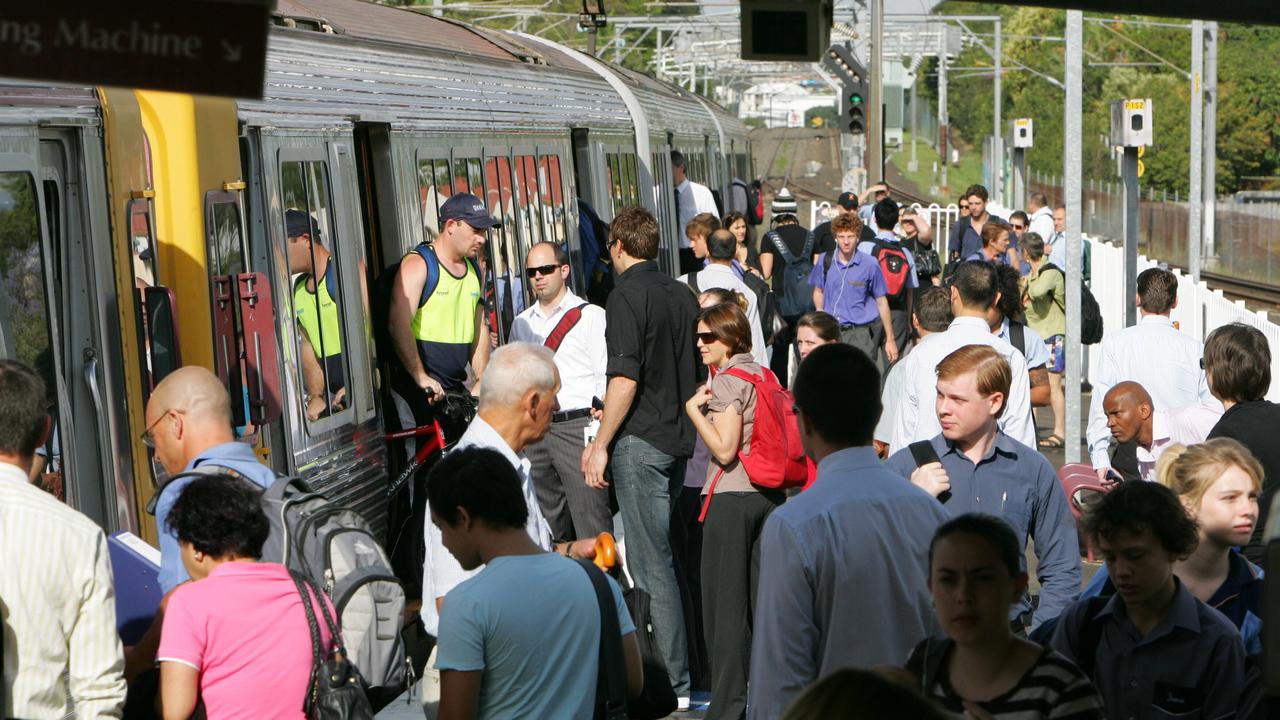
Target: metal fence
1246,237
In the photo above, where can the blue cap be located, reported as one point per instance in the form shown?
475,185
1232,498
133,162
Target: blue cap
468,208
297,222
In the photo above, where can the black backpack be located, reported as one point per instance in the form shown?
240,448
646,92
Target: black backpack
766,303
797,295
381,300
1090,313
754,206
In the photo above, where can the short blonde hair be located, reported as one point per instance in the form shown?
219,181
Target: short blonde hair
702,225
992,370
1191,471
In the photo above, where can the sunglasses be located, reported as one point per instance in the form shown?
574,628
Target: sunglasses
533,272
1019,228
964,206
706,338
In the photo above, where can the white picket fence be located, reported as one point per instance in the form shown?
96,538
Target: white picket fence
1200,309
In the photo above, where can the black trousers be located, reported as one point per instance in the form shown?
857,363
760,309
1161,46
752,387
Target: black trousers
782,343
730,573
686,554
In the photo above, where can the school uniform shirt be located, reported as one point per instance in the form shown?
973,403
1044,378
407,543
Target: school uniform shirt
1191,664
1015,483
728,277
1158,356
62,656
917,417
441,572
1188,426
1253,423
582,356
830,595
850,289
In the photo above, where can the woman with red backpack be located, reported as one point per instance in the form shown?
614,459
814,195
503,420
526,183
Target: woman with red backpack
734,508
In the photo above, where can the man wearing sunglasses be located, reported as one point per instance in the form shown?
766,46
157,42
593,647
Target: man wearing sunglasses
573,509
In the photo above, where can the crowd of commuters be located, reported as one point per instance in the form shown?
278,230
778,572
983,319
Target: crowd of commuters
897,580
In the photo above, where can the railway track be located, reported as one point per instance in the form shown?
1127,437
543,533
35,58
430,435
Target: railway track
1251,291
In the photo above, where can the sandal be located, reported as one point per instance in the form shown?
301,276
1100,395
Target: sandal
1053,441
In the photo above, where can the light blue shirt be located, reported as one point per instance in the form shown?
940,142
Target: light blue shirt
531,624
1033,347
235,455
844,576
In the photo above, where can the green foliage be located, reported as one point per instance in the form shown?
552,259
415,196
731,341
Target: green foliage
1248,99
830,118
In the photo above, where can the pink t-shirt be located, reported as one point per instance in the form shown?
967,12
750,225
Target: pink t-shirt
244,628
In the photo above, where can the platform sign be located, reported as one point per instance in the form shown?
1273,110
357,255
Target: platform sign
207,47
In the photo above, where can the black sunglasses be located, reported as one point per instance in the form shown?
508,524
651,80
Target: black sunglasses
540,270
1017,227
706,338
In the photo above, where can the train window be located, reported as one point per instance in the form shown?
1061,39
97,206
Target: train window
552,196
435,185
532,215
224,239
24,308
630,179
506,260
142,240
316,287
468,176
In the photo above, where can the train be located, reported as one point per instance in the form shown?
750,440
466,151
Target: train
141,230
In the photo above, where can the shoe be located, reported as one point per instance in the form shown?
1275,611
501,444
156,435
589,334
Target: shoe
1053,441
682,703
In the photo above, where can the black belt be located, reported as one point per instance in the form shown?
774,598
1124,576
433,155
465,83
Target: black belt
847,326
568,415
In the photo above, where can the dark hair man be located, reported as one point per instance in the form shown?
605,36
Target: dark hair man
62,655
966,235
522,638
719,272
1152,650
692,199
1040,220
979,466
652,372
1237,367
901,279
1154,354
572,509
974,290
812,606
1018,223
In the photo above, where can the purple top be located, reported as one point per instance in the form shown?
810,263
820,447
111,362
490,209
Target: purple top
849,291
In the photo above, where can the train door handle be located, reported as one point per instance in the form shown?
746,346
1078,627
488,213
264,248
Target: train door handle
91,378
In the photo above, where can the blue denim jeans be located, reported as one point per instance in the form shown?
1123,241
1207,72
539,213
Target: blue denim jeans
647,482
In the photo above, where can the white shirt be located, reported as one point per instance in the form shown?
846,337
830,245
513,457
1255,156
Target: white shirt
723,276
582,356
62,655
693,198
844,575
1188,426
1157,356
917,418
889,399
440,571
1041,223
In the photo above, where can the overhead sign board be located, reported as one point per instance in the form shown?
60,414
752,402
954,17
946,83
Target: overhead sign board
207,47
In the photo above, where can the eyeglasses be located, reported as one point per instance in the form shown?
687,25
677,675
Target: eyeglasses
1201,363
1019,228
146,437
706,338
964,206
533,272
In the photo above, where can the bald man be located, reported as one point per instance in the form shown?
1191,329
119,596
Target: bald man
1132,417
189,426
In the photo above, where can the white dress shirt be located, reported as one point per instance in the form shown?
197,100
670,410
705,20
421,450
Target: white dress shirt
1188,426
62,655
1041,223
1160,358
844,574
694,198
723,276
889,399
582,356
917,418
441,572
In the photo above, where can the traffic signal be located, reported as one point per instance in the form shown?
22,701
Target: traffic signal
841,62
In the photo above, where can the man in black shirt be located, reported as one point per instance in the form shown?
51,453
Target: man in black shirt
1237,366
649,332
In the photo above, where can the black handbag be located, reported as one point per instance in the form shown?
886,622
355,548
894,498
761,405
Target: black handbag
336,691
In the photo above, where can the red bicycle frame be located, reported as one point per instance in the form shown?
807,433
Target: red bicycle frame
433,444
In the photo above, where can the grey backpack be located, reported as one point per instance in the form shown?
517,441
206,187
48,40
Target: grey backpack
334,547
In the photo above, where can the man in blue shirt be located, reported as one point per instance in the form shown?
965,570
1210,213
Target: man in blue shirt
188,427
980,469
900,278
848,284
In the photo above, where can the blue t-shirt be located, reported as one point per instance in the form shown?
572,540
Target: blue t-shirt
531,624
235,455
849,290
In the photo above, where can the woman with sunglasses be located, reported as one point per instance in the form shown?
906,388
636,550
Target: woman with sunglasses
723,413
747,256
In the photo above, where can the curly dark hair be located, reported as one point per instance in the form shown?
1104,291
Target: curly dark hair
221,516
480,480
1138,507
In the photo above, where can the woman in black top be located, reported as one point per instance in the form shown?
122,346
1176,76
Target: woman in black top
917,237
1237,366
747,256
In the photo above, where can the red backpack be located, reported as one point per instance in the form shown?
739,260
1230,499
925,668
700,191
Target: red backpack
776,459
893,263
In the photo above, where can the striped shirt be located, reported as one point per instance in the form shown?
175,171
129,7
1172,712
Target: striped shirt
1051,689
62,654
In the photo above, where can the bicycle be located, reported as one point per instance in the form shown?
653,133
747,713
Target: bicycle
461,406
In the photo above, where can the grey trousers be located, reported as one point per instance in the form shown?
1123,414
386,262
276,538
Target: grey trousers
867,338
573,510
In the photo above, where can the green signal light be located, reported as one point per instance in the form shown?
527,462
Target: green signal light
855,99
